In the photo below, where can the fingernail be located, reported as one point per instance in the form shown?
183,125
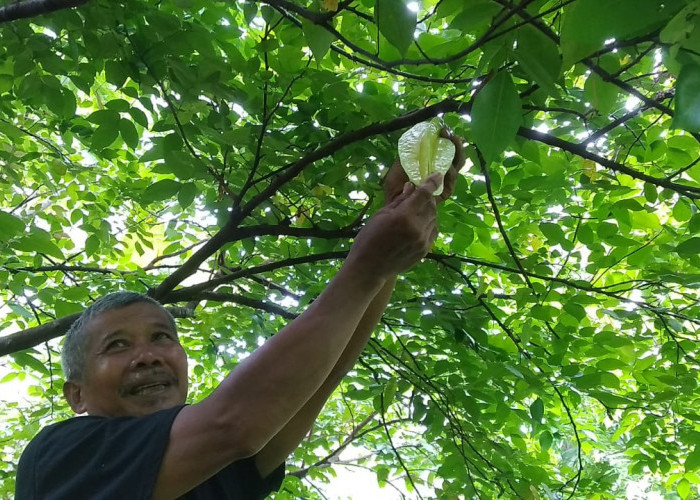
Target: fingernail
407,187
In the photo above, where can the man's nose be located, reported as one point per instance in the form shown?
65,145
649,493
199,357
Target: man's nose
146,355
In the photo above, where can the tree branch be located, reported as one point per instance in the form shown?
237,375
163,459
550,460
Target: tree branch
237,299
31,8
35,336
183,293
580,150
239,213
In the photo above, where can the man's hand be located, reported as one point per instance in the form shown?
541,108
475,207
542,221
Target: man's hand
400,234
396,177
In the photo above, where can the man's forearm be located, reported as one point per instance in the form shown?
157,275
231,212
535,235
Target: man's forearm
271,386
364,330
287,439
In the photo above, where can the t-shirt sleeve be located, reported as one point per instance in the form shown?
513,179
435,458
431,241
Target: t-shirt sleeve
241,479
94,457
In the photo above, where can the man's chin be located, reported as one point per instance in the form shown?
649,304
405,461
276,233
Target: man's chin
145,404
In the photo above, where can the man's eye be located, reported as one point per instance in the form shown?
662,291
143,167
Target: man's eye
162,336
116,344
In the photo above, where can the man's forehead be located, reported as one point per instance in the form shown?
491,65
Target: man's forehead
123,318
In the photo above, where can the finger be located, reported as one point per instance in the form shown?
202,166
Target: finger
430,236
459,158
448,184
431,183
408,189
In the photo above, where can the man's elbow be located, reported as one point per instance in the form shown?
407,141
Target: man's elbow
244,435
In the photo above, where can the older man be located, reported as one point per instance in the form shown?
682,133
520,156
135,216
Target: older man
126,369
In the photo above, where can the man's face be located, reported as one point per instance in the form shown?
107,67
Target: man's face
134,364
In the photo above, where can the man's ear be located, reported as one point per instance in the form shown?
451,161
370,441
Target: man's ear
73,392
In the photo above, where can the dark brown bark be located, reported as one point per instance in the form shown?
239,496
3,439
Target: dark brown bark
31,8
31,337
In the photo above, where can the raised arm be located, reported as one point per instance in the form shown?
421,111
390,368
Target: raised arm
288,438
263,394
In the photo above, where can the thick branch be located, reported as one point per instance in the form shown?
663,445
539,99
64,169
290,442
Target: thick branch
242,300
31,8
67,269
580,150
185,293
42,333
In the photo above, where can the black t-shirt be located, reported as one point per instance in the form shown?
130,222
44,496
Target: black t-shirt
119,458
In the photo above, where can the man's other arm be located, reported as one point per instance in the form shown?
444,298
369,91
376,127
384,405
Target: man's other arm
286,440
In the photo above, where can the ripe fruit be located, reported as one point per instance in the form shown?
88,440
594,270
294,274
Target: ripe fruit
423,152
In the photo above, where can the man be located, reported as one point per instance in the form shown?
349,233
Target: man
126,369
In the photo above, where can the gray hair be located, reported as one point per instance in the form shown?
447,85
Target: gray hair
76,340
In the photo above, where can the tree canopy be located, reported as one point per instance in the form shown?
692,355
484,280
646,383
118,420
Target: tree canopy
220,156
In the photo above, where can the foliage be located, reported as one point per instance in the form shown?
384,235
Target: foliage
221,155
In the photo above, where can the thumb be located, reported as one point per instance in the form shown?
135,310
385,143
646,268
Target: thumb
432,183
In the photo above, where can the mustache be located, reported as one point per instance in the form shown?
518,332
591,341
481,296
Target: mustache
147,376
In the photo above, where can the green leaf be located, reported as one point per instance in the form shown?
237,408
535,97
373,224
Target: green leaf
186,194
249,11
689,247
537,410
139,117
601,94
687,109
650,192
396,22
473,15
161,190
318,38
683,488
104,136
554,233
539,57
692,461
546,439
6,83
10,226
62,103
92,244
389,392
105,117
129,133
116,73
694,224
681,210
587,24
29,361
496,116
38,241
117,105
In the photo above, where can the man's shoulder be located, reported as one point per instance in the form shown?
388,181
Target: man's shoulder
66,430
35,452
55,429
79,428
92,454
